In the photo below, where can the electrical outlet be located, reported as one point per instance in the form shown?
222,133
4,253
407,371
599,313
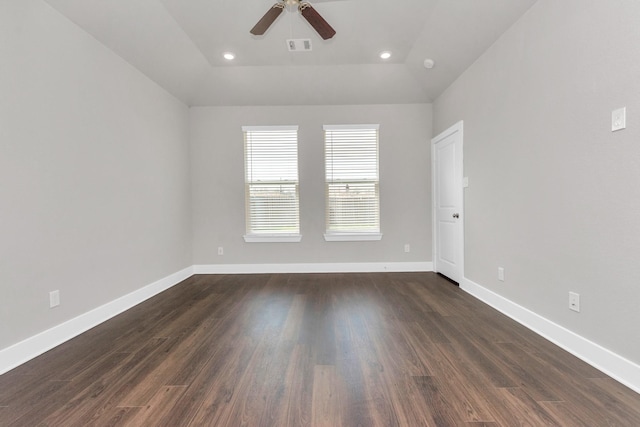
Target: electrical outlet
574,301
407,247
54,299
501,274
220,250
619,119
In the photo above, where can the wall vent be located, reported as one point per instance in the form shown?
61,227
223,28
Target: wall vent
299,45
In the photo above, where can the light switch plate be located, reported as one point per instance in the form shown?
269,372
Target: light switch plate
465,182
619,119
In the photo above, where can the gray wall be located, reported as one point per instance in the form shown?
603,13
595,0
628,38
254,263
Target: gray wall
554,195
94,181
218,184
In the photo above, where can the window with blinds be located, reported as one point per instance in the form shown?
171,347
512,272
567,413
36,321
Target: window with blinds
352,182
271,183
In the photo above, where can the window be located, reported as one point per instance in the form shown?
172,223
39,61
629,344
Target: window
271,184
352,182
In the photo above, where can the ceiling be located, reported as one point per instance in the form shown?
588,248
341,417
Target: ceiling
179,44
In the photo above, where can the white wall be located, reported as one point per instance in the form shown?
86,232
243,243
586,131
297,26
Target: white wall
554,195
94,181
218,184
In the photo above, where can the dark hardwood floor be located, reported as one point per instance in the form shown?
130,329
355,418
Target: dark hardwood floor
393,349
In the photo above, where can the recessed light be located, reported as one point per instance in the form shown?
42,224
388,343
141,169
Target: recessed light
228,56
385,55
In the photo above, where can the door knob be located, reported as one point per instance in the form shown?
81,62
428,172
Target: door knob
455,215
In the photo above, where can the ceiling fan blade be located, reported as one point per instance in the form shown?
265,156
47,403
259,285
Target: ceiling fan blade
265,22
317,22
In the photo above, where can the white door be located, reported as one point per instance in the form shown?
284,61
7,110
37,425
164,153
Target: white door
448,233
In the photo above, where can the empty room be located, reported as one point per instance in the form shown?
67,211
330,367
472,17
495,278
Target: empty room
323,213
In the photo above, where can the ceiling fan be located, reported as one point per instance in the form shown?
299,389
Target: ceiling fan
307,11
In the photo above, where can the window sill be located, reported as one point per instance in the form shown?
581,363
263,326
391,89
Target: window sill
352,237
272,238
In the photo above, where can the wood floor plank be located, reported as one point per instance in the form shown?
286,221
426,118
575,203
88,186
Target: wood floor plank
429,325
14,383
612,407
223,404
264,383
396,352
211,391
364,349
469,402
412,406
141,393
483,360
291,327
188,333
377,396
297,394
526,411
97,398
437,402
530,373
317,324
402,306
571,414
159,407
355,408
325,399
120,417
481,424
66,391
214,337
617,391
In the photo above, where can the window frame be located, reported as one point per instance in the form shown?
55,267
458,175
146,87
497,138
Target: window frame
352,235
269,237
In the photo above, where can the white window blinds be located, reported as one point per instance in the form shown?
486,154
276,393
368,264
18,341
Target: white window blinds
352,181
271,180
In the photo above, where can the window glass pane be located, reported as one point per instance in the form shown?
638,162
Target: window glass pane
271,180
351,165
273,208
353,207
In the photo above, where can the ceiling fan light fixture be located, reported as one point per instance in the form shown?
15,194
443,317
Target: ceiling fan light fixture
385,55
229,56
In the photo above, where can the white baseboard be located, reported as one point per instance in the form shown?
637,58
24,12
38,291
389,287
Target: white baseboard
362,267
612,364
22,352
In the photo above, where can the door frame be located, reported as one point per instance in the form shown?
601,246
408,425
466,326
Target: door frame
457,128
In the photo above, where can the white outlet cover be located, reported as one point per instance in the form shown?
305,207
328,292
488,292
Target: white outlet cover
619,119
574,301
54,299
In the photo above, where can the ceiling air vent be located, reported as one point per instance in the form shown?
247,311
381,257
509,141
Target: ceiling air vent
299,45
